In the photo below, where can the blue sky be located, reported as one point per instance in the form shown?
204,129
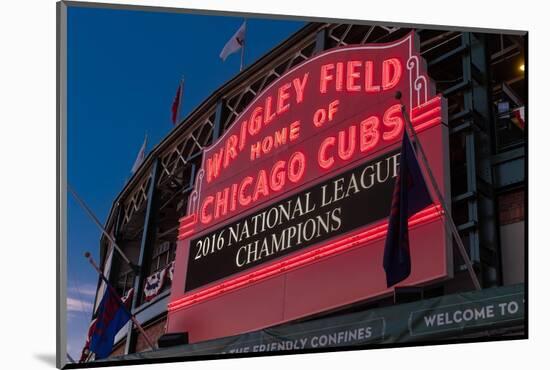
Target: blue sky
123,71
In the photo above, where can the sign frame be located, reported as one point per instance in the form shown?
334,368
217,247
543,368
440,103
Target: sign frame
428,115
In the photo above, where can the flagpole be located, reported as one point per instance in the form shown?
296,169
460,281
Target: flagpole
448,219
113,291
244,45
182,84
96,221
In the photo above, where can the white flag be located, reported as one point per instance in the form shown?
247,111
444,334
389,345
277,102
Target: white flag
235,42
140,156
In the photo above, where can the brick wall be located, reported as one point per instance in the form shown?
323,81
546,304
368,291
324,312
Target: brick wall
511,207
118,350
154,331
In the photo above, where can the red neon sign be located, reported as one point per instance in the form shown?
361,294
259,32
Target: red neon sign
232,164
337,246
328,115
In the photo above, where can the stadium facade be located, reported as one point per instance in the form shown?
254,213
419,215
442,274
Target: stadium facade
479,76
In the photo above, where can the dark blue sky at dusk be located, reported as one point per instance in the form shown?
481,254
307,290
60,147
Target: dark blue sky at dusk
123,71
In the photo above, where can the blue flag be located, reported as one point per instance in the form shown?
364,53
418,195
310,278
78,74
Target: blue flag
112,315
410,195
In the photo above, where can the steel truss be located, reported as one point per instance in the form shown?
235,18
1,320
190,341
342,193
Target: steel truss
459,63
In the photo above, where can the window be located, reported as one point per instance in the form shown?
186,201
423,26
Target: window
510,125
125,282
163,255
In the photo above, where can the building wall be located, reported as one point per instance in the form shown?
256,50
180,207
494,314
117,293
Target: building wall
118,350
512,236
154,331
511,205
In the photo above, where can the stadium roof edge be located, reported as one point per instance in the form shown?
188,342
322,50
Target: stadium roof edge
203,108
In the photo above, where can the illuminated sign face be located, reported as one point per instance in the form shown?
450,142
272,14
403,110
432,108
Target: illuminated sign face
330,208
296,194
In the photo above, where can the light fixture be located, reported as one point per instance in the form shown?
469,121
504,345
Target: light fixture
522,67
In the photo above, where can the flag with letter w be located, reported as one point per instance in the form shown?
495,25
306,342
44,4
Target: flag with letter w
235,42
410,195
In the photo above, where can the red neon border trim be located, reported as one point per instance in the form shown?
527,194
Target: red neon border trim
332,248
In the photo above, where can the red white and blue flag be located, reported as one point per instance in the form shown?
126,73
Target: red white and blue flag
86,350
112,314
410,195
153,284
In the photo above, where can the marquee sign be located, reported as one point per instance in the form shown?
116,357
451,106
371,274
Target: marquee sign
330,208
296,194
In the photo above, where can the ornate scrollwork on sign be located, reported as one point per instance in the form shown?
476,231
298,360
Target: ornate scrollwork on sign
420,83
194,198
